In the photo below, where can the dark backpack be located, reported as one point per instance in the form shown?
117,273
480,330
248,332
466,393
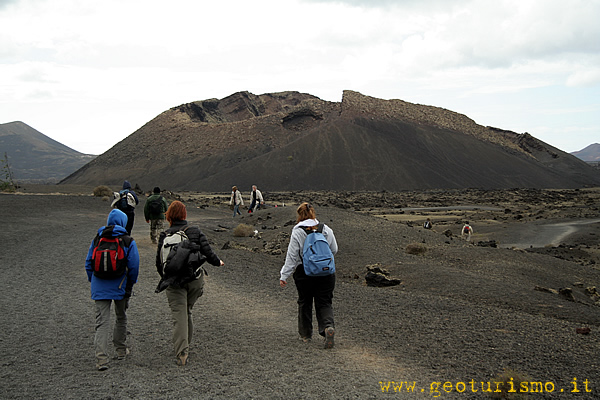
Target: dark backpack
466,229
156,206
181,260
108,256
317,257
122,202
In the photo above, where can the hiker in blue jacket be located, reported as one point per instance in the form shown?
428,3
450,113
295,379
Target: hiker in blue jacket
310,288
105,291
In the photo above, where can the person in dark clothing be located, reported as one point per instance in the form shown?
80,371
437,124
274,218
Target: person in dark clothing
128,205
317,289
154,212
182,298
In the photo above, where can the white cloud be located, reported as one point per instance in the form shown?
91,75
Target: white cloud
114,56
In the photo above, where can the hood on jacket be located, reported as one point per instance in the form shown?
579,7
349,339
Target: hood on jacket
307,222
118,219
126,185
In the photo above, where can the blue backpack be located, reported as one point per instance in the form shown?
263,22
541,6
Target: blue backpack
316,254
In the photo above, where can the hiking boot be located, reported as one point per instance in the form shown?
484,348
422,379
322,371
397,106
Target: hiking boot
121,355
182,359
102,367
329,333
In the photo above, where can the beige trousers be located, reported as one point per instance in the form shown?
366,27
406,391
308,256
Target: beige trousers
181,301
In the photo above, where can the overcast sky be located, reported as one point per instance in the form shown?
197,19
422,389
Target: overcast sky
90,73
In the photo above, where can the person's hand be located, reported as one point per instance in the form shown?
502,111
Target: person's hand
222,263
282,283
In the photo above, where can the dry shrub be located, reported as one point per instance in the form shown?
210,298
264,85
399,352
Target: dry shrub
102,191
243,230
510,385
416,249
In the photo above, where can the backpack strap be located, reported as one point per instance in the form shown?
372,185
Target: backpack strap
126,240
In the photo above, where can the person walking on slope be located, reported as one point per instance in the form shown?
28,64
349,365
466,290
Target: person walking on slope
256,199
154,212
182,297
467,230
126,200
317,289
108,287
236,201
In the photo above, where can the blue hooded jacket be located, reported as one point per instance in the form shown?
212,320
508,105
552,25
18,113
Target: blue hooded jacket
114,289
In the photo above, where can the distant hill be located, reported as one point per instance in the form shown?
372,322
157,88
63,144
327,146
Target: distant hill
590,154
296,141
32,156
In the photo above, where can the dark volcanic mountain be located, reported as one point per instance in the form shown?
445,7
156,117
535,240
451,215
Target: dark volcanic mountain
33,156
295,141
590,154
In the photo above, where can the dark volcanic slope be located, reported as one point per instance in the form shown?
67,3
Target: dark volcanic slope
34,156
292,141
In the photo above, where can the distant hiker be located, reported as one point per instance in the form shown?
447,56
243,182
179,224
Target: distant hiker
467,230
256,199
112,266
154,212
182,296
236,200
317,289
126,200
427,224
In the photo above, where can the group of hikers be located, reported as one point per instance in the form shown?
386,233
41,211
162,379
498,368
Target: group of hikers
256,200
465,232
112,267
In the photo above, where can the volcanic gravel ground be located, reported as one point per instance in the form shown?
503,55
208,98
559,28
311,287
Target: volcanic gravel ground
463,313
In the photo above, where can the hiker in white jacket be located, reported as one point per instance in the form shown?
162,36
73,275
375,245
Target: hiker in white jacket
236,200
256,199
317,289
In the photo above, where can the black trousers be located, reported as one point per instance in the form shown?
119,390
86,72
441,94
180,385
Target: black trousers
317,289
130,218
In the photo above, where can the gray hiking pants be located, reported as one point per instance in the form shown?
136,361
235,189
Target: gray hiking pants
181,301
103,329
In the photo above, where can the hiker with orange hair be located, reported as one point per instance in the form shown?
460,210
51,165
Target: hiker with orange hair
183,297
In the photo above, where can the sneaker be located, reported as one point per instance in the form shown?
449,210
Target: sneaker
102,367
306,339
329,333
121,355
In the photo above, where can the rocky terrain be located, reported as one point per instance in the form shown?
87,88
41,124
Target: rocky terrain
295,141
456,316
